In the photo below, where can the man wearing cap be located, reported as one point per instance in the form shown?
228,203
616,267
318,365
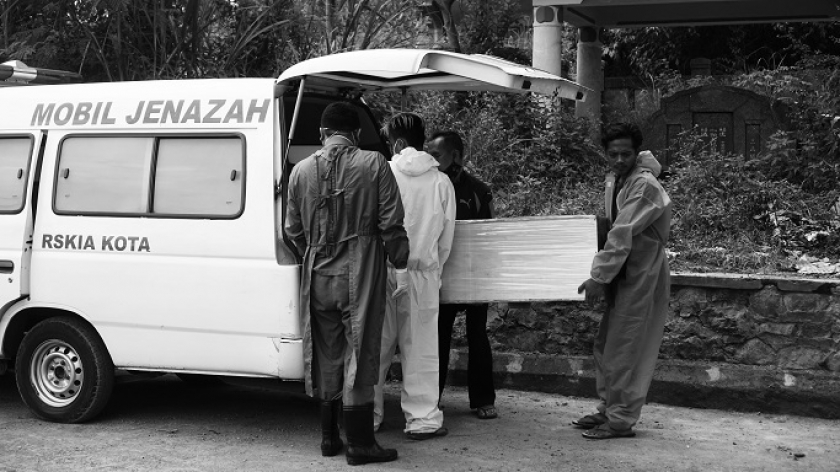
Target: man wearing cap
345,216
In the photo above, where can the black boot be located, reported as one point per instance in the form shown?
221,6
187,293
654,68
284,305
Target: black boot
361,445
330,438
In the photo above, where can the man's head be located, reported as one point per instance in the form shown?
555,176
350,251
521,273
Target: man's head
405,130
621,142
448,149
340,118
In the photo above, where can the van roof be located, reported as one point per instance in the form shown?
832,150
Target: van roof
423,69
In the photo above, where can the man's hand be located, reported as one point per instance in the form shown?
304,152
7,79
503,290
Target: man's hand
595,291
402,283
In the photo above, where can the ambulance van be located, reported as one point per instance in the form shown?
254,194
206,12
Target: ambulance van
141,222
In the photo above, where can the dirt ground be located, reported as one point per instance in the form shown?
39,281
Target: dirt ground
166,425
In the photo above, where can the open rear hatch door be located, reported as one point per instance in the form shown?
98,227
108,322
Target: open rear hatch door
419,69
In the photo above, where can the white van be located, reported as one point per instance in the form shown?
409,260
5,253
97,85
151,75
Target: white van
141,222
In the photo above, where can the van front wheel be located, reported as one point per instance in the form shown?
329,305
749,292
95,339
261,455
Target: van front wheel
64,372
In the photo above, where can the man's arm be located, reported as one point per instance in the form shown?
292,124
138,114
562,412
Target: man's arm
391,216
449,209
294,226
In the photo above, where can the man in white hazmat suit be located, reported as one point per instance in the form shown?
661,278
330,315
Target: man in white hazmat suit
411,320
632,273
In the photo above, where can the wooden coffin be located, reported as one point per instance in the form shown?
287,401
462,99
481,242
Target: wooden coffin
519,259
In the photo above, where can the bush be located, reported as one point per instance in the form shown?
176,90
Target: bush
732,214
536,156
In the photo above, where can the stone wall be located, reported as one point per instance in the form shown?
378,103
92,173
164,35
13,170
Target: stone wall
742,342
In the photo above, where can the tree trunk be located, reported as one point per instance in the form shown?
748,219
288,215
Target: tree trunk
449,26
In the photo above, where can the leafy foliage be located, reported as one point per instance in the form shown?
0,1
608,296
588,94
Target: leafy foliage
725,202
536,155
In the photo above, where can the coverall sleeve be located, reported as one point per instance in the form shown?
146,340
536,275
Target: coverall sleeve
449,209
294,226
640,209
391,214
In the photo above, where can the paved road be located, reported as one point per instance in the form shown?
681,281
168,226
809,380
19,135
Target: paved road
165,425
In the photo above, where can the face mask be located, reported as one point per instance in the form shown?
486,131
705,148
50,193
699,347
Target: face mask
453,171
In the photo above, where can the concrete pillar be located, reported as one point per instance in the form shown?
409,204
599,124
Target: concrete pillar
590,71
548,35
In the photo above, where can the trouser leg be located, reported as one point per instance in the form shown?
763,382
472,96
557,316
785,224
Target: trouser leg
598,355
630,354
482,391
390,328
446,320
331,342
417,315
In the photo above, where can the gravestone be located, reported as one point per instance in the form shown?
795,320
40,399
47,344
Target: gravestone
735,121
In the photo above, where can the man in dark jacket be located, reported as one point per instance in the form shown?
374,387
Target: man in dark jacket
475,202
631,273
344,214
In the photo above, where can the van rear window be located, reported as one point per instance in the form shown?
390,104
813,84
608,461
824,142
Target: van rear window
307,132
14,170
200,177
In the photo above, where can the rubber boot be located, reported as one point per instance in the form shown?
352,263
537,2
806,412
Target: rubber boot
330,438
362,447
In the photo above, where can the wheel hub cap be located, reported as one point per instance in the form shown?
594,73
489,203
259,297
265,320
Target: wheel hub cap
56,373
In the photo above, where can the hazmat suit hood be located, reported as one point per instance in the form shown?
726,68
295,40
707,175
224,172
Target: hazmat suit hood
646,161
412,162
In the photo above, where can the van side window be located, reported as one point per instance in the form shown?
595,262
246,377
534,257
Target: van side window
14,171
151,176
104,175
198,177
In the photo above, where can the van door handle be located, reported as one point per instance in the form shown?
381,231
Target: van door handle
7,267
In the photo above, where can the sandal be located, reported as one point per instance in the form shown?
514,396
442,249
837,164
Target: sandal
590,421
487,412
423,436
605,432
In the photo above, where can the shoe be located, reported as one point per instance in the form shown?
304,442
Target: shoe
590,421
331,443
362,447
605,432
486,412
417,436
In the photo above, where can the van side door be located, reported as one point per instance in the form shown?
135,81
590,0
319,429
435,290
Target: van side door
18,154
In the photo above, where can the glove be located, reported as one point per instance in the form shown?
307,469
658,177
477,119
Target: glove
402,282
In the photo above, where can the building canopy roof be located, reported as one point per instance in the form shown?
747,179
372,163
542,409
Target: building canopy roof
637,13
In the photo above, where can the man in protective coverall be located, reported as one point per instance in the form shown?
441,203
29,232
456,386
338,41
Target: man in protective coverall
344,214
411,320
631,273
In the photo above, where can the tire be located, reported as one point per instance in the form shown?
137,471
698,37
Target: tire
64,372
